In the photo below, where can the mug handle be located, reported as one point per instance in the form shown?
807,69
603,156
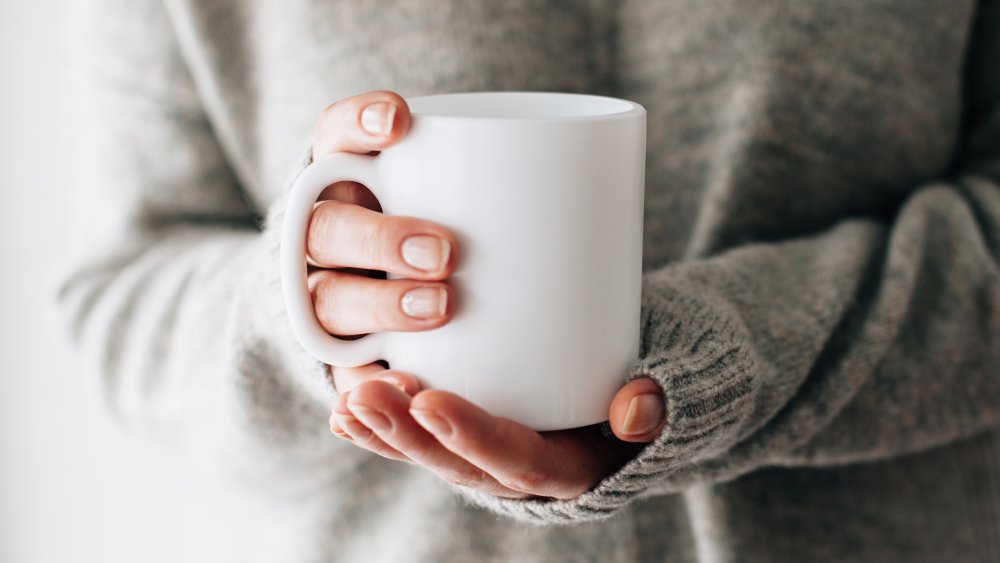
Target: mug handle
298,301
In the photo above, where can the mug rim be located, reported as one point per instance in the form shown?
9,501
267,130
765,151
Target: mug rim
628,109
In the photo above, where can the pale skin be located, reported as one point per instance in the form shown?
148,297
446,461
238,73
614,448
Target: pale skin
386,411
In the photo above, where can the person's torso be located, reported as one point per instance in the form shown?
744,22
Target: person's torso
767,119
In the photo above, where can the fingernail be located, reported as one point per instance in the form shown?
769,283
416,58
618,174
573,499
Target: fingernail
432,422
426,253
425,302
371,417
378,117
644,414
351,426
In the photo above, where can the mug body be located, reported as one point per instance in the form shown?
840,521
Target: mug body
545,195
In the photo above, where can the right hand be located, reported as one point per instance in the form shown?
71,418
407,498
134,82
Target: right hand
349,240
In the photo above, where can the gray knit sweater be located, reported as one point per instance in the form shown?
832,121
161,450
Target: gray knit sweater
821,300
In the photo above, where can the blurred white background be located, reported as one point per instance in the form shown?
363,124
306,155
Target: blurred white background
73,485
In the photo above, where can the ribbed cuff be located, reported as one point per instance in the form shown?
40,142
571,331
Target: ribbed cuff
701,359
264,307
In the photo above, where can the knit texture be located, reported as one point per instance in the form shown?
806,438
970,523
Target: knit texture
821,296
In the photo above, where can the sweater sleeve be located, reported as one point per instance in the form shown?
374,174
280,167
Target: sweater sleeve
176,303
869,340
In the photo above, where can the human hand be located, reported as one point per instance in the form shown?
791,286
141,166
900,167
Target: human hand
385,411
349,243
466,446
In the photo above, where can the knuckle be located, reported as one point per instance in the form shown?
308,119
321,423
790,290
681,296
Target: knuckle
345,304
325,126
324,296
372,241
336,122
320,228
332,111
383,312
331,108
339,120
344,234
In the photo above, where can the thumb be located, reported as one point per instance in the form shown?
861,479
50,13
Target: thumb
637,412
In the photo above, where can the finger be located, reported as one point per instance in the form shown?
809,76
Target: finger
336,429
354,193
345,379
637,412
558,464
351,192
350,429
385,410
360,124
346,235
349,304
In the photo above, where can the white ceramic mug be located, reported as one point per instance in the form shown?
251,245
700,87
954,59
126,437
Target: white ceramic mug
544,192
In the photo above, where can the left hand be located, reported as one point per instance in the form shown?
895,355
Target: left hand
385,411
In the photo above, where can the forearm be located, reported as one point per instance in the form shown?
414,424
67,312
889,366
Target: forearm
864,341
176,302
188,338
861,343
